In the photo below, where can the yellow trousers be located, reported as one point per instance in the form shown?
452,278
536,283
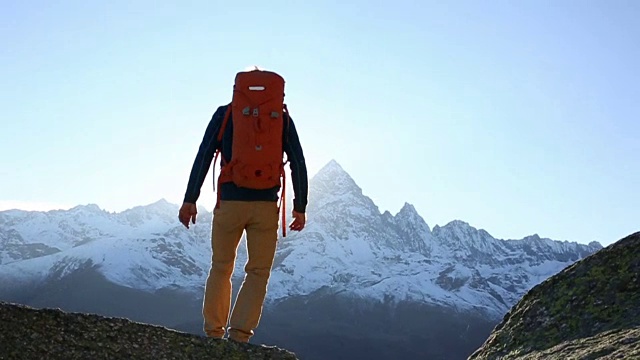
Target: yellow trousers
260,220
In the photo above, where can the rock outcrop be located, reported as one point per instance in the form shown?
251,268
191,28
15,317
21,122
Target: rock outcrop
28,333
590,310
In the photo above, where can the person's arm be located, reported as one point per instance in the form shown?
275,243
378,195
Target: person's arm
204,157
298,167
200,168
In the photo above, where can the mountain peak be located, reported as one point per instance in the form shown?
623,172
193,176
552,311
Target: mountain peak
332,167
162,203
408,209
332,178
89,207
595,245
458,224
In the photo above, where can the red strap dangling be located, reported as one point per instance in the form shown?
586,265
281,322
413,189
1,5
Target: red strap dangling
283,202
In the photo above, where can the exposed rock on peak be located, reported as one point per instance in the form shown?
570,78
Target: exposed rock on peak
331,168
160,203
415,232
408,213
332,179
27,333
591,309
407,209
459,224
158,206
461,236
333,164
89,208
594,245
334,191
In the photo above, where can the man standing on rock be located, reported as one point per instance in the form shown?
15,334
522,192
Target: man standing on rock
251,134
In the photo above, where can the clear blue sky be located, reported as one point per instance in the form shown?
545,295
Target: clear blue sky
518,117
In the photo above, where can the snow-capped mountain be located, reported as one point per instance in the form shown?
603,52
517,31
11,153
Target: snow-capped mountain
141,248
348,247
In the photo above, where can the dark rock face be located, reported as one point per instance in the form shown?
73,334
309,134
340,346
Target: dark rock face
26,333
589,310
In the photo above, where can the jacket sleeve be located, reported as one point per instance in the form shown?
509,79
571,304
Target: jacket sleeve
293,149
204,157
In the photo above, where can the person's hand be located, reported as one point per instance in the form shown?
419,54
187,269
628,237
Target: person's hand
187,212
299,220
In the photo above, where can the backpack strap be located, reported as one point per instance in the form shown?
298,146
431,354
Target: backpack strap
218,152
283,201
224,122
286,126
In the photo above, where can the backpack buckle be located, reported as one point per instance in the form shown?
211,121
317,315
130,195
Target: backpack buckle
275,114
246,111
256,113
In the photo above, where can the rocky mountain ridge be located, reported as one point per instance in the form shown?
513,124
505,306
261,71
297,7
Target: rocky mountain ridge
348,247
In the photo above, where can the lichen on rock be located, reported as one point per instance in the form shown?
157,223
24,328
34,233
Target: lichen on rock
589,310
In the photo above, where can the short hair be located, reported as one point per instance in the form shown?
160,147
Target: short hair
254,67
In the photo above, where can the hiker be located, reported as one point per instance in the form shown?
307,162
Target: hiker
251,134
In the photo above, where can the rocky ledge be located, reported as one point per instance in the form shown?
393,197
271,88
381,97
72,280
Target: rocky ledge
27,333
590,310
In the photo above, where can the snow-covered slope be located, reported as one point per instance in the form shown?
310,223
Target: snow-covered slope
144,247
348,247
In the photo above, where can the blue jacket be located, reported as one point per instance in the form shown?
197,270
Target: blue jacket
229,191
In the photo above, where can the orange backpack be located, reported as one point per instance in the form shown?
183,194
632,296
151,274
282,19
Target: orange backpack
257,110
